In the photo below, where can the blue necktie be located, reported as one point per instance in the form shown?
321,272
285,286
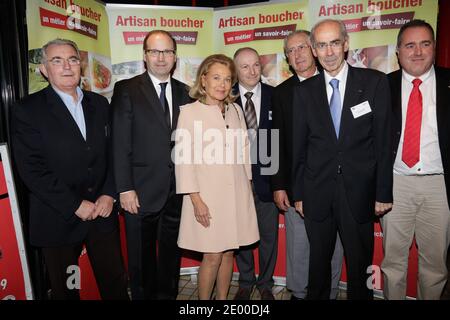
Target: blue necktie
335,105
164,104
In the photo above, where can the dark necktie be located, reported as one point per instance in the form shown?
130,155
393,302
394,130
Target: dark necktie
164,104
411,139
250,112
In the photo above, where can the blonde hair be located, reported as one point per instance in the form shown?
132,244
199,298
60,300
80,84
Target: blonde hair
197,91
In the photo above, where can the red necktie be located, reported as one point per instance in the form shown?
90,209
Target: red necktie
411,139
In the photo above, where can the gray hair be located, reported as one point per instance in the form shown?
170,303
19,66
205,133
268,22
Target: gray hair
343,30
58,42
296,32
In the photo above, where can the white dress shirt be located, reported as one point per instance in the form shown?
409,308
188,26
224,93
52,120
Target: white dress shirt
75,108
256,98
156,83
430,161
342,77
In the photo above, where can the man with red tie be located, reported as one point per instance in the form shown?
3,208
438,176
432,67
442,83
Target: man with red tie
421,136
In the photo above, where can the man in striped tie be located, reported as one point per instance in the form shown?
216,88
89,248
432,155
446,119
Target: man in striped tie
255,98
421,135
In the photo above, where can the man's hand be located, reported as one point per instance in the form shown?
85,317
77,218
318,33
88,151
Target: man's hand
382,208
129,201
86,210
281,199
201,210
103,206
299,208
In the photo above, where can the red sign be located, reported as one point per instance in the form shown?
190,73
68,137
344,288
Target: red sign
15,281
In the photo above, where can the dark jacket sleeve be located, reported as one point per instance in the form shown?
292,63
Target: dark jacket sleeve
109,187
383,140
299,146
122,119
278,180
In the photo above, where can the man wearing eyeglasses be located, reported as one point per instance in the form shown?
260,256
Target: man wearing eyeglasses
342,171
61,144
145,112
420,153
302,63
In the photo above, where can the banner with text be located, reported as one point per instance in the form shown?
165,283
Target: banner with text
82,21
191,28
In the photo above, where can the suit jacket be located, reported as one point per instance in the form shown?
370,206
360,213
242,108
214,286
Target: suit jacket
442,114
282,120
261,182
59,167
361,154
142,140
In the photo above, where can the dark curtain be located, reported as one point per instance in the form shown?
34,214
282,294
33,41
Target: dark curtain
13,87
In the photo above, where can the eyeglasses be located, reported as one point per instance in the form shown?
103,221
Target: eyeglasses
333,44
300,48
59,62
155,53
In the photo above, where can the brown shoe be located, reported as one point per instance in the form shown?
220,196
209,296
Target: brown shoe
266,294
243,294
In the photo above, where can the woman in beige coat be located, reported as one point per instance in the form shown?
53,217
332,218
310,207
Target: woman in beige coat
213,172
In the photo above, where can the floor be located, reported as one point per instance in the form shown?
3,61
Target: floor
188,290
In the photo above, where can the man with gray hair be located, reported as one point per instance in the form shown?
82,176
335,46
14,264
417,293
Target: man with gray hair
61,144
301,61
342,171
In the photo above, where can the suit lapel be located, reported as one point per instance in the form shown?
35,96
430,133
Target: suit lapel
89,117
354,88
396,91
265,106
59,109
177,94
148,90
321,99
442,104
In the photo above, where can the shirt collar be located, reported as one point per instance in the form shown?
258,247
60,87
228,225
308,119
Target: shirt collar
302,78
67,98
424,77
256,90
156,81
341,76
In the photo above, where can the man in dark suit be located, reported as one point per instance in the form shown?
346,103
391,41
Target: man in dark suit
341,160
145,112
420,154
255,99
61,144
301,60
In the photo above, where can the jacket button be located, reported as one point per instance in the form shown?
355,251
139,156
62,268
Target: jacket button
90,190
170,166
398,133
88,148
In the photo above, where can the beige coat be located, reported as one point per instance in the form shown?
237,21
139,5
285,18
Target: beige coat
224,187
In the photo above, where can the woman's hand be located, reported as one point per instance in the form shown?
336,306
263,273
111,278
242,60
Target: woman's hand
201,210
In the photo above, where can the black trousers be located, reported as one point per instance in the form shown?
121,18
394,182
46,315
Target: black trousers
153,254
357,240
267,215
106,260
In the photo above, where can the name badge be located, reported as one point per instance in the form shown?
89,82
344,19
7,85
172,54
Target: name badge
361,109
